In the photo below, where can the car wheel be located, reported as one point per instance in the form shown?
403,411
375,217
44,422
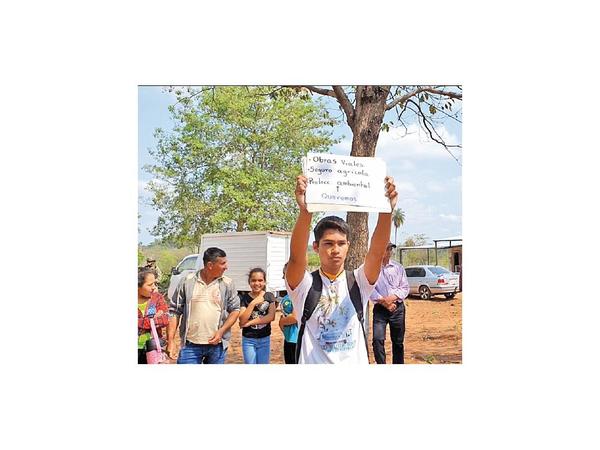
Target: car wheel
424,293
450,295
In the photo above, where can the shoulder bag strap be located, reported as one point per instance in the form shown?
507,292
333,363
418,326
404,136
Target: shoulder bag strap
312,299
155,336
357,302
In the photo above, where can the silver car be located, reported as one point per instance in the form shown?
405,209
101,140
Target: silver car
426,281
187,265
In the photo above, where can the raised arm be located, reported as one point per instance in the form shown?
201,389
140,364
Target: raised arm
381,235
299,241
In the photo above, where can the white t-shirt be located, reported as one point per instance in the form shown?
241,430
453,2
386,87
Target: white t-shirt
332,334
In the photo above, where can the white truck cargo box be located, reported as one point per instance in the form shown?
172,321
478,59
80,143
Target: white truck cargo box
269,250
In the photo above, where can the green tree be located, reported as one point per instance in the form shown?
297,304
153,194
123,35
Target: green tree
140,255
231,162
397,220
416,240
364,108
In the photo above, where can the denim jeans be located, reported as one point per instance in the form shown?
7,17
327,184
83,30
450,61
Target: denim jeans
396,319
201,354
256,350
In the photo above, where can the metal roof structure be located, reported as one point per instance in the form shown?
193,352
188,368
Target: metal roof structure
436,246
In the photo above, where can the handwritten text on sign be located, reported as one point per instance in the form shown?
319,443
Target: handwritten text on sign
345,183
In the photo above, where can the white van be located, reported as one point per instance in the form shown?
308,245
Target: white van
268,250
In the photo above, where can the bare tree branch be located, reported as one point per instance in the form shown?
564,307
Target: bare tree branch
450,116
440,140
403,98
455,95
342,98
429,89
318,90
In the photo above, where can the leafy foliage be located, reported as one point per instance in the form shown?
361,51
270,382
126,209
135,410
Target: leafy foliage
232,160
419,256
415,240
166,257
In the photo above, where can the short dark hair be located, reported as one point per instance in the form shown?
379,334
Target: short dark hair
212,253
329,223
143,272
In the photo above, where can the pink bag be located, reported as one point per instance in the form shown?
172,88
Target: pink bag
154,354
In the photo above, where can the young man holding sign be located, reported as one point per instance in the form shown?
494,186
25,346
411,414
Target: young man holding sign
330,303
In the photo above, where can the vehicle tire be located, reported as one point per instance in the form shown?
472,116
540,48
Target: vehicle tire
424,293
450,295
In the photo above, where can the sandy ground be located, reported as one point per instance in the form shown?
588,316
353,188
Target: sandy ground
433,334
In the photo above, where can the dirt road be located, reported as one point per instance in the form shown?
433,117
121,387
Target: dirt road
433,334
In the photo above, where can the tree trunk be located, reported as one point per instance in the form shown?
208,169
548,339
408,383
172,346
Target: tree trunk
368,116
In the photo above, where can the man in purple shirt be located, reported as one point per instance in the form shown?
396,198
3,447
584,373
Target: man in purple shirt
389,294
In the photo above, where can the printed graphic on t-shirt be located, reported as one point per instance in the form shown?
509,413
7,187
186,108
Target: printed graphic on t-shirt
335,332
258,311
286,306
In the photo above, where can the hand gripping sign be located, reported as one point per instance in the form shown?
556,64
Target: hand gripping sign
345,183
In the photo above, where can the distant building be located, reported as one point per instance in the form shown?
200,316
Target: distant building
452,244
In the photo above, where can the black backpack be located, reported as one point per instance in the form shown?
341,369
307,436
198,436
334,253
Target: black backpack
313,297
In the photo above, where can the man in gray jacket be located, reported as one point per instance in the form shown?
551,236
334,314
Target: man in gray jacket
205,305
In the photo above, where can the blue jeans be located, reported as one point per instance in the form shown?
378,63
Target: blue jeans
256,350
201,354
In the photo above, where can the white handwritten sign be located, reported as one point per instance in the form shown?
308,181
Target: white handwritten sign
345,183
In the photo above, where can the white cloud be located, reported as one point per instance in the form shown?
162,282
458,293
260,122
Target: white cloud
406,189
401,165
435,186
416,212
415,144
404,153
451,218
343,147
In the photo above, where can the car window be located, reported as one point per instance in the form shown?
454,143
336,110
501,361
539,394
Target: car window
415,272
438,270
188,263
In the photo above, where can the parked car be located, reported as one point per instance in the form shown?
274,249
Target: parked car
426,281
187,265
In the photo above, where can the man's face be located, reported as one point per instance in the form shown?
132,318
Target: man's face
217,268
332,250
388,254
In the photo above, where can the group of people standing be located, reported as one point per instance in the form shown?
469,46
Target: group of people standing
322,316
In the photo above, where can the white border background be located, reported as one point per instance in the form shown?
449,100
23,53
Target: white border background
69,185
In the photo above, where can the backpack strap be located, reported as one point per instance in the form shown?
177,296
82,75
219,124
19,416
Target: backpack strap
312,299
357,302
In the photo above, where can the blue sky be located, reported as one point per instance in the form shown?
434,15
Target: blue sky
428,179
